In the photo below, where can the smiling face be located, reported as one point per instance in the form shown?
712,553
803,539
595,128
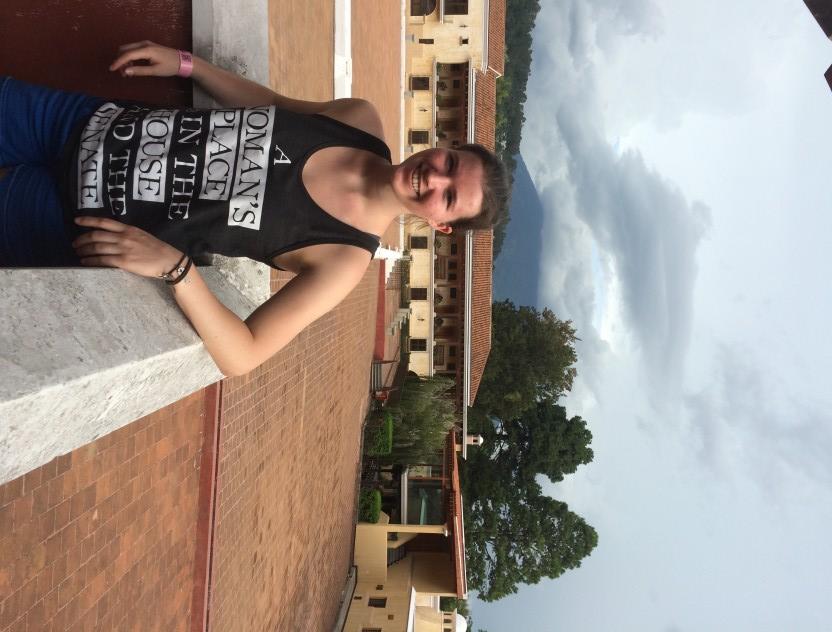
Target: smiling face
440,186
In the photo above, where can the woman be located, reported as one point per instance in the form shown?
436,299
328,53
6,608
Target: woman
302,186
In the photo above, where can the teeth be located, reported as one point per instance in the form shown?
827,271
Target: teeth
414,182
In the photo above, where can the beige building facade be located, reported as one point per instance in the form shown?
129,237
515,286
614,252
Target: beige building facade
404,567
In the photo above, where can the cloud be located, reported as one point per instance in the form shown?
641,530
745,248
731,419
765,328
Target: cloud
745,418
647,231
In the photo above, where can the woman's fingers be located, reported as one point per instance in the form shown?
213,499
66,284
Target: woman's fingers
102,222
98,248
138,54
158,60
104,236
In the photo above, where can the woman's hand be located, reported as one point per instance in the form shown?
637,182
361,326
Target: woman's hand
155,60
116,245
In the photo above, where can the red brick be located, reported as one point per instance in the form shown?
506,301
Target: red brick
32,480
46,525
7,518
40,500
11,491
35,617
22,510
64,463
49,471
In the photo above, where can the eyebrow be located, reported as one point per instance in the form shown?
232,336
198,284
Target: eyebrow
451,164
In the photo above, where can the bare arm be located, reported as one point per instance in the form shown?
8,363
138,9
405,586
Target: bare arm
236,346
225,87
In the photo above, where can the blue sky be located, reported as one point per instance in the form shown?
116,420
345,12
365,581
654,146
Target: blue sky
681,151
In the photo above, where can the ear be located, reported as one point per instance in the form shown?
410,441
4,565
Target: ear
439,227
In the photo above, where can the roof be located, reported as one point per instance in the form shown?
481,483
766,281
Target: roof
485,109
481,280
497,35
454,519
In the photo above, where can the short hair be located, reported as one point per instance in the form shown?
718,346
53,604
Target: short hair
495,191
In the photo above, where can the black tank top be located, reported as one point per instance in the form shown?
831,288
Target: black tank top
212,181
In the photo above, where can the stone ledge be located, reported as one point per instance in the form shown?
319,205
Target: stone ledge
84,352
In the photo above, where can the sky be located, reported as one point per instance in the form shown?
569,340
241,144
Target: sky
682,152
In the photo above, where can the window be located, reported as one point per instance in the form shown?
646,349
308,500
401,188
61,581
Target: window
452,366
419,137
438,355
418,241
418,294
357,598
453,248
380,587
463,41
422,7
453,292
456,7
377,602
452,265
420,83
452,276
457,82
418,344
390,617
424,502
426,40
371,630
452,351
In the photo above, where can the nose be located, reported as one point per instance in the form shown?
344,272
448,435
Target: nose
437,179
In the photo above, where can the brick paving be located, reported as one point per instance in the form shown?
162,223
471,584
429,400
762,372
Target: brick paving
285,504
103,537
376,72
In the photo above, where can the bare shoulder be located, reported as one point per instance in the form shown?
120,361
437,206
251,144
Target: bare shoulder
358,113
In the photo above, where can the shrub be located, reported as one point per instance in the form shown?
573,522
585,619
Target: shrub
423,416
369,505
378,439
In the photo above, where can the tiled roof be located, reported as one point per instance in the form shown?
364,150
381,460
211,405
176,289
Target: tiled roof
482,258
497,35
485,109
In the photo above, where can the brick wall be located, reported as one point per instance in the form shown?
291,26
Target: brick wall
103,537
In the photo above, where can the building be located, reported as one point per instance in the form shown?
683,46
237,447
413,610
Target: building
404,567
454,56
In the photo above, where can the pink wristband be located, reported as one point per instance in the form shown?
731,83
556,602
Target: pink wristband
186,64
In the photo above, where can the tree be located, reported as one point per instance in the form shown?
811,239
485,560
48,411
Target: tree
422,419
520,538
511,92
514,534
543,440
532,357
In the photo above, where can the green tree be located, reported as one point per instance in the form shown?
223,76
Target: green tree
543,440
511,91
422,418
532,357
520,536
513,533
